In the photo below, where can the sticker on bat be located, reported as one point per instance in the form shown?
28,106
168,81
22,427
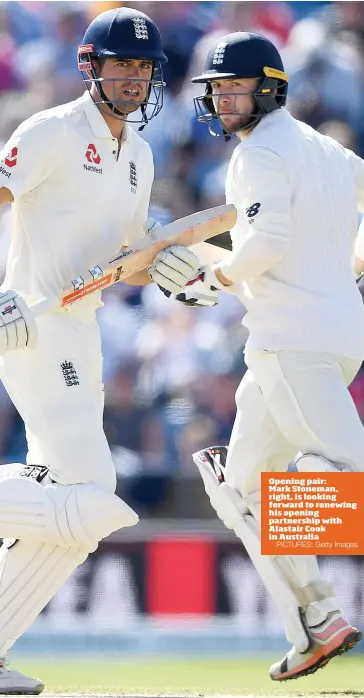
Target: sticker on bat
78,283
85,291
96,273
118,274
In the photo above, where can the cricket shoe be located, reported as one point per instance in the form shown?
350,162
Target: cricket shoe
330,638
13,683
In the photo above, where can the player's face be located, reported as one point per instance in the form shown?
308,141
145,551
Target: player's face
233,101
126,82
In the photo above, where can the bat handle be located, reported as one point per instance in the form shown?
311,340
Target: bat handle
44,305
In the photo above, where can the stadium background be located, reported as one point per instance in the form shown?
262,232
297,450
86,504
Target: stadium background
178,583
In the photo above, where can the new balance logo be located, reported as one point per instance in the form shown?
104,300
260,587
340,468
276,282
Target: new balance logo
252,211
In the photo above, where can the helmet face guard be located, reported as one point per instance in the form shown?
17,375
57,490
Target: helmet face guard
122,108
270,95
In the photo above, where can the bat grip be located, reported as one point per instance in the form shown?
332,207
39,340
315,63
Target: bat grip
44,305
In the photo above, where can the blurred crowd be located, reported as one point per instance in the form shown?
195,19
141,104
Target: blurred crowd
171,372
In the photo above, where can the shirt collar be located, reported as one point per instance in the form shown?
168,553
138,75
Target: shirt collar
97,121
263,124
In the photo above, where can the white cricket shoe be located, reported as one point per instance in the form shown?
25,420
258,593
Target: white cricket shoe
330,638
14,683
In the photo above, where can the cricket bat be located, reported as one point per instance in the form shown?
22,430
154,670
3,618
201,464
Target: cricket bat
186,231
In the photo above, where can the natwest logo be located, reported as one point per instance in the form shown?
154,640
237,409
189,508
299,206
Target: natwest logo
11,158
92,154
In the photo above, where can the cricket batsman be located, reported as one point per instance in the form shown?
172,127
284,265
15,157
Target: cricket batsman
297,194
79,179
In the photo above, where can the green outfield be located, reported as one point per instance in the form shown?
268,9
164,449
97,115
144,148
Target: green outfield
344,675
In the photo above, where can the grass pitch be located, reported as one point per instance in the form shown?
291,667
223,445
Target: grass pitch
246,677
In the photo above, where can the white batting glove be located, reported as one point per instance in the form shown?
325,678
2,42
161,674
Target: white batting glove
173,267
202,290
18,328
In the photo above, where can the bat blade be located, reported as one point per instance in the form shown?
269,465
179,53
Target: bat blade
186,231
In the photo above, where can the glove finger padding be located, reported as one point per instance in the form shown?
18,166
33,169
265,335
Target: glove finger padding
169,261
12,335
173,283
21,333
186,256
173,267
179,258
17,324
29,321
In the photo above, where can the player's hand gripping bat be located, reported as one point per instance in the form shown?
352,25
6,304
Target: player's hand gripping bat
187,231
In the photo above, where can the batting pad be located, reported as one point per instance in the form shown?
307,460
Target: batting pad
30,574
238,514
313,593
66,515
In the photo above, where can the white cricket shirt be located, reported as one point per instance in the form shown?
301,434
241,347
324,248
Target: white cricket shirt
76,202
297,194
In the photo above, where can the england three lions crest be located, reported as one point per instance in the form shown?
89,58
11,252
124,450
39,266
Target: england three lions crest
133,179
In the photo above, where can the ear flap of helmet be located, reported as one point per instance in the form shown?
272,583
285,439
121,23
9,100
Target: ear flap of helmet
270,95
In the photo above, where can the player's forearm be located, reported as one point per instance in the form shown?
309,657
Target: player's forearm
221,277
6,196
258,254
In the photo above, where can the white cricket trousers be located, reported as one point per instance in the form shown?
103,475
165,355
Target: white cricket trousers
57,389
292,402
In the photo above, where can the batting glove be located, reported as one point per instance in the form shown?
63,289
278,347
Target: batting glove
173,267
18,328
201,291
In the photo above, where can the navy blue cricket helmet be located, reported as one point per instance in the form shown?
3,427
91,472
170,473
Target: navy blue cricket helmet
123,33
243,55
